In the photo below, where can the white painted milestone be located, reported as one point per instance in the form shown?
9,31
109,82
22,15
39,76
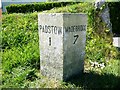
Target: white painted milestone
62,38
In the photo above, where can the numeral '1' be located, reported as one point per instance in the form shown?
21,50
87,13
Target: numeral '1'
49,41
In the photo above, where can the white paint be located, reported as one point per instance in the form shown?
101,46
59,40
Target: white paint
116,41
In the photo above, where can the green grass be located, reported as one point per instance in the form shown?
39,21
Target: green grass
20,55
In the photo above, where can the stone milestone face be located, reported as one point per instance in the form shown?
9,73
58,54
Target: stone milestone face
62,38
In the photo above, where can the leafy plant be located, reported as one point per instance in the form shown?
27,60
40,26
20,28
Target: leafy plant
32,7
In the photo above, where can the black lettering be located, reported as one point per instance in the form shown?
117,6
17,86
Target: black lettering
49,41
49,31
69,29
76,28
55,30
76,37
84,27
43,29
52,29
40,27
46,30
72,28
59,30
80,27
66,29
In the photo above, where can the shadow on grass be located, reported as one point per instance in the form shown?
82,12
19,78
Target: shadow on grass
92,80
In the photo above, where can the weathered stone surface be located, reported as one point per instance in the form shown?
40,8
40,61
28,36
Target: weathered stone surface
62,44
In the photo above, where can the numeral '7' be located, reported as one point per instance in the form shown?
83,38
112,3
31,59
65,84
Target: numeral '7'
76,37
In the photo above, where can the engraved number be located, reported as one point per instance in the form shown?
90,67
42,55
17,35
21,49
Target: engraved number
76,37
49,41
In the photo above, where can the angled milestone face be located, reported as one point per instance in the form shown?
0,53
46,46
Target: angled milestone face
74,43
51,44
